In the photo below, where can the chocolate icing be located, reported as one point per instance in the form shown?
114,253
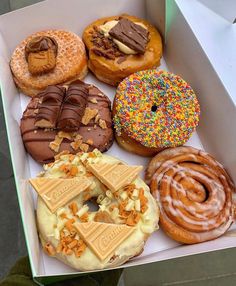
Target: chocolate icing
132,35
49,109
36,140
40,43
73,107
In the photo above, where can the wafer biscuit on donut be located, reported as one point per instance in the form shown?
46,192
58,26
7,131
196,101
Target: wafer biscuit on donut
81,237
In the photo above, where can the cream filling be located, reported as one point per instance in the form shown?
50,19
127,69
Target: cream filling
122,47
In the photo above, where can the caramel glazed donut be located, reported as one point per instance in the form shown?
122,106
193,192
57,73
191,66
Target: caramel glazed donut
121,45
194,192
154,110
48,58
132,205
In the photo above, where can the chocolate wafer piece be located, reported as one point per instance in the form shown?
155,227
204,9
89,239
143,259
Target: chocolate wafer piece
58,192
49,108
73,107
114,176
132,35
103,238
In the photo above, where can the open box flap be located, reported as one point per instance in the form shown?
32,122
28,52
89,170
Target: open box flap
191,60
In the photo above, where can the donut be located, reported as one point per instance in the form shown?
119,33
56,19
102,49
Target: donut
114,56
75,118
154,110
194,192
54,57
117,210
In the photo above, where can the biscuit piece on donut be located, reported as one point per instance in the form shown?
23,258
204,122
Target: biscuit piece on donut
110,59
78,119
194,192
131,210
71,61
154,110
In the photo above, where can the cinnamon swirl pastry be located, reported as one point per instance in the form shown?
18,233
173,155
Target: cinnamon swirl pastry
194,192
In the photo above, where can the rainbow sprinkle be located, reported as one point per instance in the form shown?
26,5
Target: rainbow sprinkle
156,108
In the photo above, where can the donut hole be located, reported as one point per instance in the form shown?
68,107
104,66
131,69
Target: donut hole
154,108
92,204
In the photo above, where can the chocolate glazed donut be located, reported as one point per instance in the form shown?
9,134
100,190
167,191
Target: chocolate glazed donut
77,119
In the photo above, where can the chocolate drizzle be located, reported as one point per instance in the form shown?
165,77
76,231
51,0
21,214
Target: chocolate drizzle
132,35
50,106
73,107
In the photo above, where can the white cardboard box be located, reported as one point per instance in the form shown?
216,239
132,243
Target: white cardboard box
183,54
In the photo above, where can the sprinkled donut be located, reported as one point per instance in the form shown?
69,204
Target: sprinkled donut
154,110
129,214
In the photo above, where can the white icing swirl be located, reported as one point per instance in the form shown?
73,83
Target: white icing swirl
195,194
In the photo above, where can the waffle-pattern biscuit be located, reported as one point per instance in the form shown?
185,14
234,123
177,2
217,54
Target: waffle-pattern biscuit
71,63
41,62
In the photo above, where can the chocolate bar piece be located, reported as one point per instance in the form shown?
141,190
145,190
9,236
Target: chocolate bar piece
49,108
132,35
73,107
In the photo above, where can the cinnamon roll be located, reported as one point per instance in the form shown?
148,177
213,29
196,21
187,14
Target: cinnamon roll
194,192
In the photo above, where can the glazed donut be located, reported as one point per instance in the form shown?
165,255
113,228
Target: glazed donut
110,60
57,229
84,121
70,61
194,193
154,110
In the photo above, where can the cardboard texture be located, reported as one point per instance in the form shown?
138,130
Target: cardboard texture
187,59
225,9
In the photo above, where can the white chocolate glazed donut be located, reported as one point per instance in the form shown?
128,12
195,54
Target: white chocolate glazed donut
55,228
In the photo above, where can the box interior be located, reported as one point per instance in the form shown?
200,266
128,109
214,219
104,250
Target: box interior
59,15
